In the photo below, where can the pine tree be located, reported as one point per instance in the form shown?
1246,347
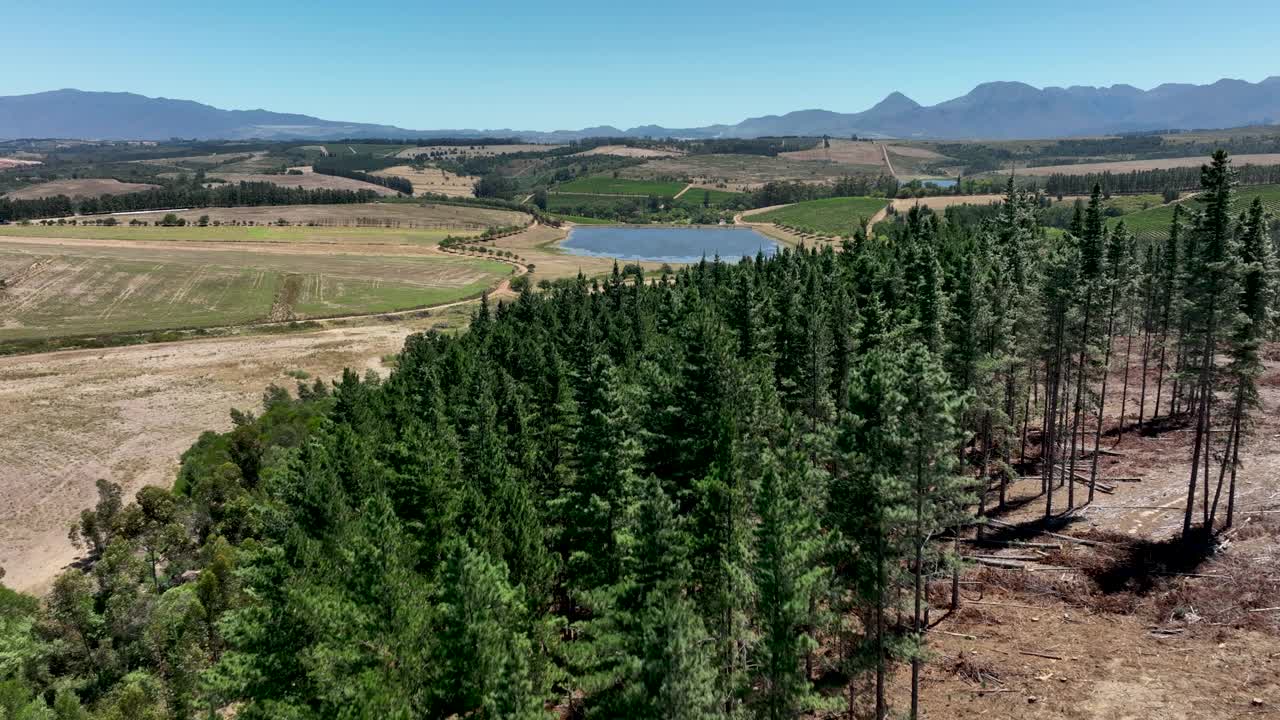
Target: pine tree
787,577
482,654
1256,281
1208,292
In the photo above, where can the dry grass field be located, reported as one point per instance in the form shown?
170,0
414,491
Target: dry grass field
841,151
1159,164
6,163
309,181
633,152
85,187
400,215
71,287
433,180
127,413
474,150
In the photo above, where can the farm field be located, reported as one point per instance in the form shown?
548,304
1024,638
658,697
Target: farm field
695,196
433,180
627,151
87,187
746,172
1153,224
471,150
571,203
1157,164
375,149
601,185
309,181
238,234
393,214
833,216
76,287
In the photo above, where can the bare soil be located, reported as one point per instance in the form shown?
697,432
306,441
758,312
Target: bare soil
85,187
1138,626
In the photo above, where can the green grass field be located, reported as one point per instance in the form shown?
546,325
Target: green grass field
226,233
61,289
1153,224
601,185
833,216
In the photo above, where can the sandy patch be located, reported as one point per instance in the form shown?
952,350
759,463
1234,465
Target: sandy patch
6,163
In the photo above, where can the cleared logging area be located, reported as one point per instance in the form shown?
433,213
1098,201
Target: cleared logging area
77,288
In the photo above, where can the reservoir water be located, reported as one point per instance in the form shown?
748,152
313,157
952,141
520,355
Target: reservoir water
667,244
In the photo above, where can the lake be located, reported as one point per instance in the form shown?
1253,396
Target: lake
666,244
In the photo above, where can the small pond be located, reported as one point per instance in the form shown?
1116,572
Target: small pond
666,244
940,182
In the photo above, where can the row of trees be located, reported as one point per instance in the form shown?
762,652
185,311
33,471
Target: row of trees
179,196
1151,181
704,496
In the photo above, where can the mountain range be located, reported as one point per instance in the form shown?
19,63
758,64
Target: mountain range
994,110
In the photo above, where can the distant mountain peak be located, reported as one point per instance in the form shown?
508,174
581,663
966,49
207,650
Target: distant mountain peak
894,102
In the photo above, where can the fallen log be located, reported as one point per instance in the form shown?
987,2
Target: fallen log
1012,605
1010,565
1040,654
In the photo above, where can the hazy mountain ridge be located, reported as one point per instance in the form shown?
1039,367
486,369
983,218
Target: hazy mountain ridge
994,110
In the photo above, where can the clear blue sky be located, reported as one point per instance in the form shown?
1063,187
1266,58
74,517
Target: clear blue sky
570,64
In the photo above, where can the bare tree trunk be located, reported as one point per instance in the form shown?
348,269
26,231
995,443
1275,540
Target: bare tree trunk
1124,391
1146,354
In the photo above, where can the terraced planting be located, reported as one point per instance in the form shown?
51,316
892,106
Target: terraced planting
696,197
833,217
601,185
1153,224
